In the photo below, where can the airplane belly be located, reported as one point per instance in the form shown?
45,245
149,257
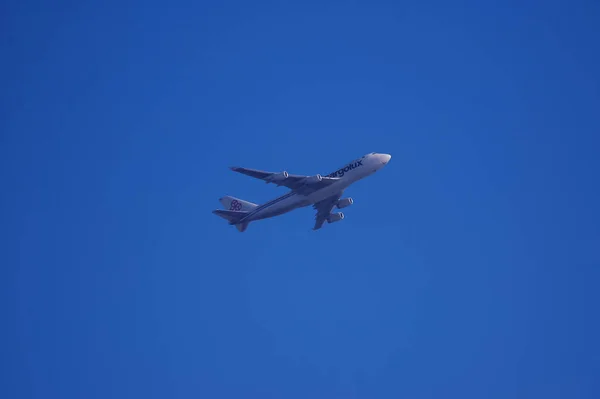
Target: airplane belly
326,192
280,208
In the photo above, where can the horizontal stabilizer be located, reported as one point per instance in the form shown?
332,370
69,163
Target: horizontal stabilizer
242,226
232,216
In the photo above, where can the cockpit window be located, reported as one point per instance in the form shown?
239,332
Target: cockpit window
364,156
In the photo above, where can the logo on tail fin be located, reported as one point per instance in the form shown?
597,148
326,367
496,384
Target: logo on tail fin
235,205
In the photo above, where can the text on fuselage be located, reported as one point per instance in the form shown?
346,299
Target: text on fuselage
341,172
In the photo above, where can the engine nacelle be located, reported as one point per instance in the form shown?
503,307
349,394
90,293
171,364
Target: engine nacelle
344,203
313,179
335,217
275,177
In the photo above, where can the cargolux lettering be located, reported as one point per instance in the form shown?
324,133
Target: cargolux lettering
341,172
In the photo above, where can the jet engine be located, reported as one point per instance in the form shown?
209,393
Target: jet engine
335,217
313,179
344,202
275,177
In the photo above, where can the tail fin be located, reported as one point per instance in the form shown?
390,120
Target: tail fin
236,204
235,210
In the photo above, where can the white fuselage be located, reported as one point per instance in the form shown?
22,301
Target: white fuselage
348,174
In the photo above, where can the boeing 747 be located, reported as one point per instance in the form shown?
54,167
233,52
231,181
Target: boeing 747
322,192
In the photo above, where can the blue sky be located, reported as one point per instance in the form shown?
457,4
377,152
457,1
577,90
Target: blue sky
467,268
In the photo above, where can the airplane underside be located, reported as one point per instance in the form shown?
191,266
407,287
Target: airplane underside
323,192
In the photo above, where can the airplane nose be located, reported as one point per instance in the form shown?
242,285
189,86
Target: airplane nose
385,158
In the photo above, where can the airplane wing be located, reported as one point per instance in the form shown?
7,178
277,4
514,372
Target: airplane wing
324,209
300,183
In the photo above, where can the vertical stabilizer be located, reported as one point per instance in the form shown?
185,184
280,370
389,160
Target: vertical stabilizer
236,204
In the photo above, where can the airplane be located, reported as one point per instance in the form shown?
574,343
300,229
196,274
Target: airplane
322,192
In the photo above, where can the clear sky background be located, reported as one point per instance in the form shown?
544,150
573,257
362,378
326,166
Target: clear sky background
467,268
